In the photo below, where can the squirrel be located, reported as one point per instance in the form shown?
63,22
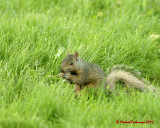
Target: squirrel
89,75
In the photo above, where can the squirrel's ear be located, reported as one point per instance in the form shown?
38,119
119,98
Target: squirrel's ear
76,54
67,53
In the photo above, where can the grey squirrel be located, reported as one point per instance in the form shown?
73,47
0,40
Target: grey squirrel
89,75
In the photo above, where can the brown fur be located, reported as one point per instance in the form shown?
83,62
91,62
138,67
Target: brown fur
89,75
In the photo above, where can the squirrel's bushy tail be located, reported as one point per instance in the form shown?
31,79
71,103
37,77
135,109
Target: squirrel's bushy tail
130,79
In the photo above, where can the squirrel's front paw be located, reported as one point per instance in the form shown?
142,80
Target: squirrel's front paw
65,76
61,75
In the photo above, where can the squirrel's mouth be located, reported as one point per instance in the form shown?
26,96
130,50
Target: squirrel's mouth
62,70
74,73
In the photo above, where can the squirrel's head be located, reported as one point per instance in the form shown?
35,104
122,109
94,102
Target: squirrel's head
69,64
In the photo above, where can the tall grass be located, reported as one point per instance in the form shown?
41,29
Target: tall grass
34,38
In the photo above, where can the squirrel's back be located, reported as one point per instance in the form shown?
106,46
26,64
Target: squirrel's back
96,74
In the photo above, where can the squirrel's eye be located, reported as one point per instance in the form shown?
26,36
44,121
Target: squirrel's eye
71,63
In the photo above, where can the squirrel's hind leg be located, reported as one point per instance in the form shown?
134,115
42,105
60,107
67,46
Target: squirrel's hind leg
77,89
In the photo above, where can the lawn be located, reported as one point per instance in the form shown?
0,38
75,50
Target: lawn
34,38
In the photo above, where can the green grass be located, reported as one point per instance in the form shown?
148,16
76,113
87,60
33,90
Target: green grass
34,38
